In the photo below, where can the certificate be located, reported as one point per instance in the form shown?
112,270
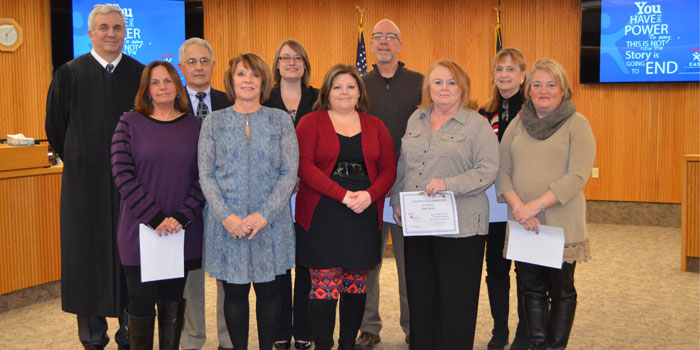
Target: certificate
422,215
545,248
162,257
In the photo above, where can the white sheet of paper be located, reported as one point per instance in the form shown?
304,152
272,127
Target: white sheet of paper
544,249
388,212
162,257
429,216
498,212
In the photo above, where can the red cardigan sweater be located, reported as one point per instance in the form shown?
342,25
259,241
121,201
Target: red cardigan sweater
318,153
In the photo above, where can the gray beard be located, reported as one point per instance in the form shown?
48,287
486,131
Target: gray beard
383,60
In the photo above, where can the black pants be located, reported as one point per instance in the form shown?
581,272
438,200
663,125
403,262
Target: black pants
498,277
236,311
92,330
143,296
443,276
497,267
294,320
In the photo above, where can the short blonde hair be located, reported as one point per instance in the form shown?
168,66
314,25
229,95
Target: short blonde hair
100,9
296,47
556,70
323,101
258,66
460,77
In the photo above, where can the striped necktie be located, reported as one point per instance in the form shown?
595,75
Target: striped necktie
202,109
109,68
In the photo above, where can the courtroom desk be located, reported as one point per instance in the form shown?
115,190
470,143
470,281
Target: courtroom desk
690,209
30,252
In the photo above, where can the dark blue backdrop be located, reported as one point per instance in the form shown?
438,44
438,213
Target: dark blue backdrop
653,40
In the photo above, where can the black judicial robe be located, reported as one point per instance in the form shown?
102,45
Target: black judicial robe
83,107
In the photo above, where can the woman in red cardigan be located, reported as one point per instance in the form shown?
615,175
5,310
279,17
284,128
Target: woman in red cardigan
346,166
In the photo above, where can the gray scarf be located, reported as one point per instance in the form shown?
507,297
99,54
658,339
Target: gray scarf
543,128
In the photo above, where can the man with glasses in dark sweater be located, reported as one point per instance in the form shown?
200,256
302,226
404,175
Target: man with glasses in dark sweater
394,93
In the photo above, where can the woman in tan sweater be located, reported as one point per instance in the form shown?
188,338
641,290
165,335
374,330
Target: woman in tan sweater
547,154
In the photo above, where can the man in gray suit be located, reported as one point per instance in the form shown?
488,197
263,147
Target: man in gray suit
197,65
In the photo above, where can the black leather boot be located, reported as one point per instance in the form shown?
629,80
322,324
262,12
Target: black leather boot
322,315
122,335
140,331
171,317
560,322
536,313
561,315
352,308
499,290
536,303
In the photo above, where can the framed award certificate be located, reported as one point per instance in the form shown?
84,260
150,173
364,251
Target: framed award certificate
424,215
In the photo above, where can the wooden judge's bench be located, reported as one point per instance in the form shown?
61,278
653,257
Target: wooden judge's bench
30,193
690,210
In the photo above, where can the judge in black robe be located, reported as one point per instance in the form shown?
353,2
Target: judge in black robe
83,107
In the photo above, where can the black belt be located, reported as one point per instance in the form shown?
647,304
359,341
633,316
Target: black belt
349,168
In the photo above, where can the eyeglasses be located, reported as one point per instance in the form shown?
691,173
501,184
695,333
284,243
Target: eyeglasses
504,115
286,58
387,36
205,61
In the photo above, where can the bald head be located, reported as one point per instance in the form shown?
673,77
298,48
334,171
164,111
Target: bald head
386,26
386,44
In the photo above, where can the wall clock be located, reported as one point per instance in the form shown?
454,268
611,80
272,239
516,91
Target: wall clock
11,35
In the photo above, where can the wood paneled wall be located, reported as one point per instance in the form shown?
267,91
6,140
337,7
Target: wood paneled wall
642,130
30,252
26,72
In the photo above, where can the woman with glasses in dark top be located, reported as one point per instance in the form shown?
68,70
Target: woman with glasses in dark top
346,166
293,94
291,91
501,107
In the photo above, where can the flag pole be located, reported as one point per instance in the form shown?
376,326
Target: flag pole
361,27
361,57
497,29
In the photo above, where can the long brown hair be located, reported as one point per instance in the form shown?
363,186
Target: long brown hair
143,103
460,77
517,57
323,101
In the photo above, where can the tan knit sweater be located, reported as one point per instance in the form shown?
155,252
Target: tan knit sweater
560,163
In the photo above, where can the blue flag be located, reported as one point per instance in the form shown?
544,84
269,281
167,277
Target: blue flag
361,59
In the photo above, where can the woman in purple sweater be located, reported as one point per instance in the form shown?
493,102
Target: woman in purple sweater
154,165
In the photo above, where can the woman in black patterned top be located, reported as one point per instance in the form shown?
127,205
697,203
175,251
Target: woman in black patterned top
503,105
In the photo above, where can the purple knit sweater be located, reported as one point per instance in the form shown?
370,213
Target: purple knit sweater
154,165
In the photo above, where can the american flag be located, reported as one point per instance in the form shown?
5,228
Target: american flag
361,61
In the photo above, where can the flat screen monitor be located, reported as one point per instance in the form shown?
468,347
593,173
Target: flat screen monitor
626,41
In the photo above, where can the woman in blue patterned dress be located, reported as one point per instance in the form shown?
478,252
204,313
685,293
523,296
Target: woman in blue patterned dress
248,160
